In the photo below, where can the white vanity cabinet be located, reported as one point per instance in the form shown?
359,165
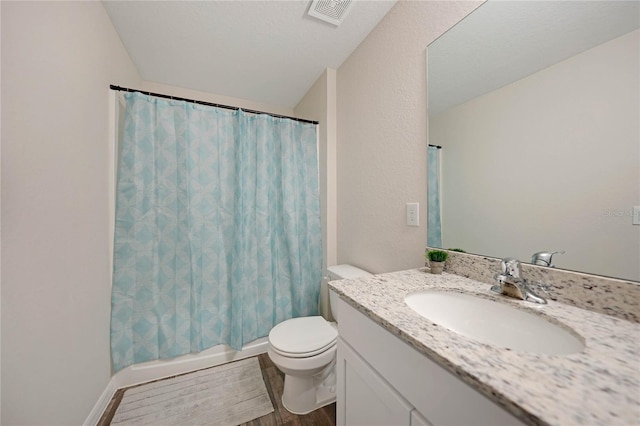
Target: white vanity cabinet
384,381
370,399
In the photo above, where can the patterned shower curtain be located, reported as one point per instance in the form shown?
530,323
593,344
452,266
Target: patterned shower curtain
217,235
434,226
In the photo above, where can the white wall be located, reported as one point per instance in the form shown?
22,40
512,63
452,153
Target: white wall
382,136
550,162
58,59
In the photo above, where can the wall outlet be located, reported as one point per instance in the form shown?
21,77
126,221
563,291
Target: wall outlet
413,213
636,215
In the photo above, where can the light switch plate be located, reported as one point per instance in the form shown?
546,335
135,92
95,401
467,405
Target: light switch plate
413,210
636,215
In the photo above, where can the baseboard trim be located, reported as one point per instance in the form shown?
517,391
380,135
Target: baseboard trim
154,370
101,404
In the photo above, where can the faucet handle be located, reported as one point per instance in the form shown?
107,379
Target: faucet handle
543,258
511,267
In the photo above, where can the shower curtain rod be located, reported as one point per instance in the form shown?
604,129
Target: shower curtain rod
194,101
435,146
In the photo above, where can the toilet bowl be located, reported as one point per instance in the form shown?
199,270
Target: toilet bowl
304,349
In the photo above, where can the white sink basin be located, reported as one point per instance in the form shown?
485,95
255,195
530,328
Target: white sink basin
494,323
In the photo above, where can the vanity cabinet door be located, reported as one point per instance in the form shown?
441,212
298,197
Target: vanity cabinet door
364,397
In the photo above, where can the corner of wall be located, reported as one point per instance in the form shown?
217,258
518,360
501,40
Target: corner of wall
319,103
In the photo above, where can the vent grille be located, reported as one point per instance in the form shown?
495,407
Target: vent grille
332,11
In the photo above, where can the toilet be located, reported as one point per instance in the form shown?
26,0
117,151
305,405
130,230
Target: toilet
304,349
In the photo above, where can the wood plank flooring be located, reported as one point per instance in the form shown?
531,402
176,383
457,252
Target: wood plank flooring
274,380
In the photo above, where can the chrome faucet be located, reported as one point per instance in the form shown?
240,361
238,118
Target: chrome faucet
511,283
544,258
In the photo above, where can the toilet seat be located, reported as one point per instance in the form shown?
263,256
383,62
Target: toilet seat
302,337
303,355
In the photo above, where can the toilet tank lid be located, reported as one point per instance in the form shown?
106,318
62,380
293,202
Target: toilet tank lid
340,272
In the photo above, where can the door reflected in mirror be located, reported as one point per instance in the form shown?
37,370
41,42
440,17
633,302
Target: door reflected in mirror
536,106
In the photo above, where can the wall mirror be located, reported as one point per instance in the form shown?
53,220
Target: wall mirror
536,106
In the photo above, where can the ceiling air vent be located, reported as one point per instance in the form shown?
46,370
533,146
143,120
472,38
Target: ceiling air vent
332,11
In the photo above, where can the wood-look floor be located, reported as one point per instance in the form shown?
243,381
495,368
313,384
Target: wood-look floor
274,380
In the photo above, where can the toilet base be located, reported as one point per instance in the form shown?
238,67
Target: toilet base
304,394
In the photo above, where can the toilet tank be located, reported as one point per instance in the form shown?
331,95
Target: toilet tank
341,272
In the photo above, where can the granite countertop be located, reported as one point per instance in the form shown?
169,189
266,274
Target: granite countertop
598,386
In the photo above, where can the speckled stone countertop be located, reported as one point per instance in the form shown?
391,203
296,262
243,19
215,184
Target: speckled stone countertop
598,386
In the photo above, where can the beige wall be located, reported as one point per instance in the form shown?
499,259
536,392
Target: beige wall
550,162
382,136
58,59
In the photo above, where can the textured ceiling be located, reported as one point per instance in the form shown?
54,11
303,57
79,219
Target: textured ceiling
267,51
504,41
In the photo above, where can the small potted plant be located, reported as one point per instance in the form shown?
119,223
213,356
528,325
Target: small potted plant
436,260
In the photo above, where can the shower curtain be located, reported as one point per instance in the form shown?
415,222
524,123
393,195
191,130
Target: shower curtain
434,226
217,235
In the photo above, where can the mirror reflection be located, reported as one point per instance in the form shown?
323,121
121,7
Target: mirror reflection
536,107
